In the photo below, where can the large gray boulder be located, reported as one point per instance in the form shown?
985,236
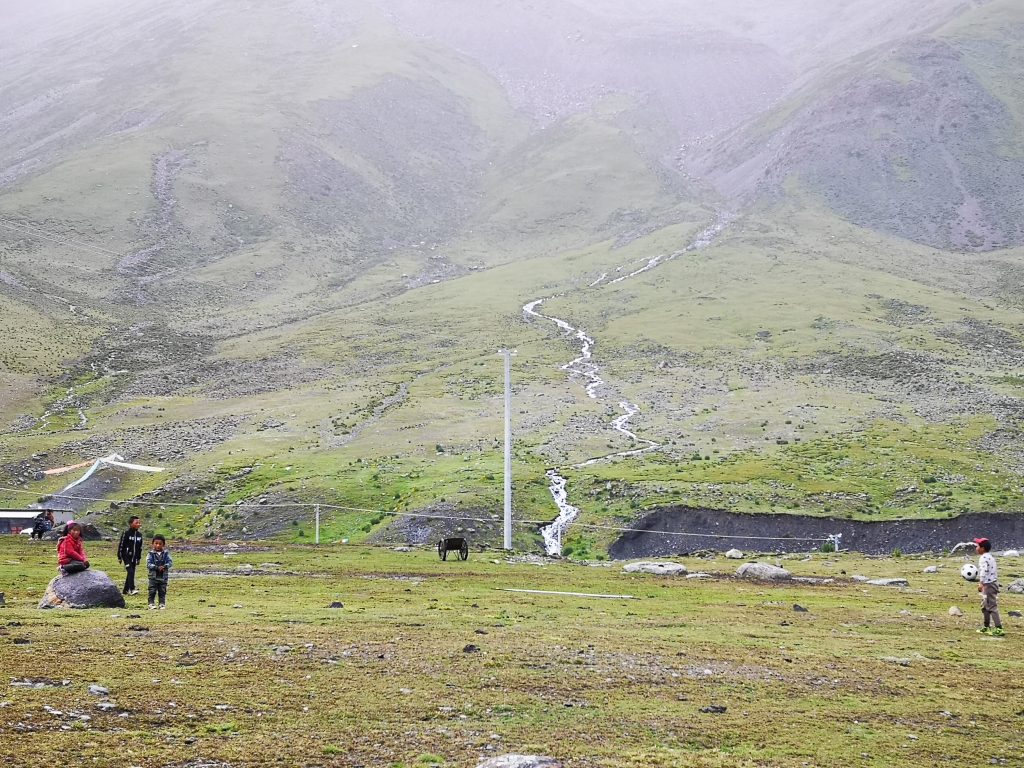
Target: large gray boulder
763,571
1017,586
88,589
520,761
658,569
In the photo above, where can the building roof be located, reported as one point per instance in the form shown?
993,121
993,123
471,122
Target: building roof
19,514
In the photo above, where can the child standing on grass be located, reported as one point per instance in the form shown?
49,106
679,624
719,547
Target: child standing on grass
129,553
71,556
988,585
158,563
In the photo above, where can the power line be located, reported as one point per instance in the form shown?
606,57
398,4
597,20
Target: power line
291,505
706,535
395,513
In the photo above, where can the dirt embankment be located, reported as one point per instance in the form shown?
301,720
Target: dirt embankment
660,533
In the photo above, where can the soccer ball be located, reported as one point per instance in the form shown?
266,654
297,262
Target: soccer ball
969,571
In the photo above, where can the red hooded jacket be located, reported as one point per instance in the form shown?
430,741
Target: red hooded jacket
68,549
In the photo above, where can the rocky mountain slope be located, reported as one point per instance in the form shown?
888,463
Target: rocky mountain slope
275,247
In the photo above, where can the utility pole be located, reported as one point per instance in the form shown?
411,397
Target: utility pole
508,353
316,512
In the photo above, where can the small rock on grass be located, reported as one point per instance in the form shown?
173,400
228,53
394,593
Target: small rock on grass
658,569
954,611
898,660
888,582
520,761
763,571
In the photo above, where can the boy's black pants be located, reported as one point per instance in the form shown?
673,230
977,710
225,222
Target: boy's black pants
75,566
129,579
158,587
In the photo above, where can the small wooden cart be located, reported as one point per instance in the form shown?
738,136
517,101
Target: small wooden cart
454,544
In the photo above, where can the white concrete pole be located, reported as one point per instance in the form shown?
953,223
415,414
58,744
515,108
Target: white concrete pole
316,513
508,447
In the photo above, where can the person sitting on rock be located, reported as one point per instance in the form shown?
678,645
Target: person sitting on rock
43,524
71,556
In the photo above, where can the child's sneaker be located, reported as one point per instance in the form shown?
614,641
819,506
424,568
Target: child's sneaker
984,631
152,607
163,606
997,632
133,592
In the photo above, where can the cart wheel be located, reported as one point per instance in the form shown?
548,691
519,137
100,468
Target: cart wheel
464,550
441,551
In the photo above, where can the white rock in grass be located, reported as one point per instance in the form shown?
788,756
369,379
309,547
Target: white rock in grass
889,582
954,611
931,569
658,569
734,554
763,571
520,761
1011,553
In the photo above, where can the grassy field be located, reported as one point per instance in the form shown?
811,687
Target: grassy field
431,663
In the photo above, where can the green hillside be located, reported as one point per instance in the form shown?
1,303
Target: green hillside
276,249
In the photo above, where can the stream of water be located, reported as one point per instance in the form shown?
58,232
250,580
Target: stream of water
583,368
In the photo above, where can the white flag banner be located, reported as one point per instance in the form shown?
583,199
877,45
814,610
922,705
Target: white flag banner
113,460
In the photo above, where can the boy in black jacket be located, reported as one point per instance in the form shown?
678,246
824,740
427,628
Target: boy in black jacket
129,553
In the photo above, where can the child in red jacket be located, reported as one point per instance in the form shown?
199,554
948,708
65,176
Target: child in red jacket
71,551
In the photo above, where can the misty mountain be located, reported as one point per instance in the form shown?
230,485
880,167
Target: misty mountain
920,139
240,237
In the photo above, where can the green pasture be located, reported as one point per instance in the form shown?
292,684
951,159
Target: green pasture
431,662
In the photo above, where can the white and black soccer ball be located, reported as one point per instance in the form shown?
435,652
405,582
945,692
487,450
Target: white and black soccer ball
969,571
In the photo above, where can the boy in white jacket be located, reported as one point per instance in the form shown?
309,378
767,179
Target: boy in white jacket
988,585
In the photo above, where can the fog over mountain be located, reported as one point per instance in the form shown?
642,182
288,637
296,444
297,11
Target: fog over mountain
242,236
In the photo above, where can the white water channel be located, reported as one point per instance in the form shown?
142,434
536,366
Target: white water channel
584,368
